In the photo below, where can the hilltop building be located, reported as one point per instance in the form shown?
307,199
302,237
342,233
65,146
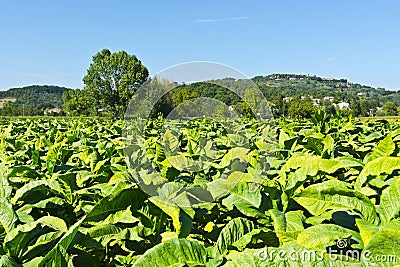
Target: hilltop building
342,105
53,111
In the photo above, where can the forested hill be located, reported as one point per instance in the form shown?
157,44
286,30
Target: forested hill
31,100
281,91
288,85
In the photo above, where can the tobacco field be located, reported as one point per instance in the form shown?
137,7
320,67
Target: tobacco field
325,187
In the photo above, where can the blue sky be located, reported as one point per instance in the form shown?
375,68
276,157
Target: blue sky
52,42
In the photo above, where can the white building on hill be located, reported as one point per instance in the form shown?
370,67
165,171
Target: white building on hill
329,98
343,105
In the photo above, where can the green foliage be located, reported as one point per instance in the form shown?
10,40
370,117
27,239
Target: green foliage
389,109
301,108
69,198
112,79
79,102
110,82
174,252
31,100
362,98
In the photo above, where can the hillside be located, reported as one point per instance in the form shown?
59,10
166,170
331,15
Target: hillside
287,85
360,99
278,89
31,100
285,90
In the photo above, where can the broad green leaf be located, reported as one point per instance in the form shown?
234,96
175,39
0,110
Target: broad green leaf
58,256
170,143
246,194
153,178
385,147
389,206
52,202
318,219
53,154
33,263
285,141
236,177
18,238
287,225
106,233
118,177
334,195
117,201
310,166
383,249
329,143
315,144
169,190
289,221
35,190
87,157
102,230
247,198
99,165
181,163
185,199
53,222
218,188
319,237
5,188
8,218
367,231
233,153
232,232
369,138
168,235
181,220
249,258
257,236
41,245
7,261
123,216
376,167
174,252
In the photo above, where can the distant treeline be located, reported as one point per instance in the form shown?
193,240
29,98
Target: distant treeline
363,100
113,78
277,89
300,98
31,100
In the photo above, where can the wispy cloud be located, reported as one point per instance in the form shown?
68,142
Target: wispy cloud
222,19
364,42
329,60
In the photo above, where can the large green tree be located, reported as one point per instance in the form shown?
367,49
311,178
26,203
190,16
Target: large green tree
79,102
301,108
389,108
113,79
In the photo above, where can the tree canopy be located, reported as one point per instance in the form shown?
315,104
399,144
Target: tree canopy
112,79
301,108
389,108
31,100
